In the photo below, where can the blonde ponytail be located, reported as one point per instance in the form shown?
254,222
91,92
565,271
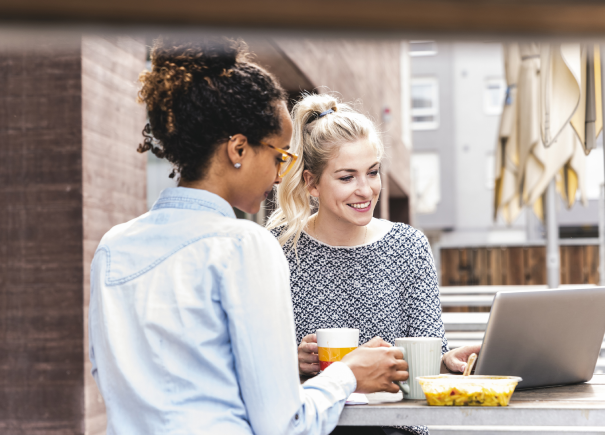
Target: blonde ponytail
316,137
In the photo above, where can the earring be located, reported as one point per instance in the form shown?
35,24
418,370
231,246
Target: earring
238,165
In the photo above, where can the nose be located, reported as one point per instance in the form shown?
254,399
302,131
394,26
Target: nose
277,180
364,189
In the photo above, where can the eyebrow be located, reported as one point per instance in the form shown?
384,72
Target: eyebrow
354,170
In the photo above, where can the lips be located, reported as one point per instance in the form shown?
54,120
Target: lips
361,206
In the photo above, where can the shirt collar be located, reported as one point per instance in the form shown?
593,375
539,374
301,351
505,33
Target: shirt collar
193,199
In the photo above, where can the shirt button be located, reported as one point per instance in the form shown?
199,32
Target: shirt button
296,417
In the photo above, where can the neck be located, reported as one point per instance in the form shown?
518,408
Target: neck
335,231
214,180
211,185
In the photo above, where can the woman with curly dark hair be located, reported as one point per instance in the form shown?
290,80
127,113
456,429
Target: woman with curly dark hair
191,324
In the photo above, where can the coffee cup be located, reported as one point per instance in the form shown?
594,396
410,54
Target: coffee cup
333,344
423,355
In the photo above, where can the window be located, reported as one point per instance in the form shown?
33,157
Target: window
423,48
494,93
427,185
425,104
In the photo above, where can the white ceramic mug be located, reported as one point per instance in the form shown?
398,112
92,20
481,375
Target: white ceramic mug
333,344
423,355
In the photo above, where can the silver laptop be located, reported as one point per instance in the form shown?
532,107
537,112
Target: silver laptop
547,337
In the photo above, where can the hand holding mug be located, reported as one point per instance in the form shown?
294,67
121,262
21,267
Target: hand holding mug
376,342
377,368
308,360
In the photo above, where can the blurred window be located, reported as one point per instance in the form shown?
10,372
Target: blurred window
425,103
427,182
423,48
494,93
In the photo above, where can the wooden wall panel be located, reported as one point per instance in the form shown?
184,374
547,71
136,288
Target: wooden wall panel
480,263
591,264
494,266
564,261
69,170
517,265
449,267
41,342
576,258
535,269
114,174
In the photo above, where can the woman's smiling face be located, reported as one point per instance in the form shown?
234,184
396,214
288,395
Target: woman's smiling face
350,183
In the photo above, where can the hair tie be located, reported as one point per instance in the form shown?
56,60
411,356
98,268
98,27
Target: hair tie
316,115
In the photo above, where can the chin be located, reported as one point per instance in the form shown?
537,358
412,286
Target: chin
253,208
361,220
249,208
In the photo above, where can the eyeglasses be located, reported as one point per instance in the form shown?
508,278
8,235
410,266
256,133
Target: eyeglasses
287,160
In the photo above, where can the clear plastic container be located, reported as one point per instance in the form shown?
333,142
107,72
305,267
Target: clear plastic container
452,390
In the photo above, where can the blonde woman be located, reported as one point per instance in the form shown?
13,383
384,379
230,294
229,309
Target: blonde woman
348,269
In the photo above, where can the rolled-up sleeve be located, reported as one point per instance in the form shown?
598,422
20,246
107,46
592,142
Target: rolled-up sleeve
256,298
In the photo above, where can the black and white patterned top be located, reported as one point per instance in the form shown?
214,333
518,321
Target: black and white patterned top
387,288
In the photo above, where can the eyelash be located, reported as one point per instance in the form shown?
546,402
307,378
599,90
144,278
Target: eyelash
348,178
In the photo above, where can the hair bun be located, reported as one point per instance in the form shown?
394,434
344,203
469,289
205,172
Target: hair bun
211,56
312,106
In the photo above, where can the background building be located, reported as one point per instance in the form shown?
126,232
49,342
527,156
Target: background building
457,90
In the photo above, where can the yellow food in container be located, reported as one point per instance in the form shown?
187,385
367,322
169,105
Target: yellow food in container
451,390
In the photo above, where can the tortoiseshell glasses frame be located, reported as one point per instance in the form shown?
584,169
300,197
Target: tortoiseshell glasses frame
288,160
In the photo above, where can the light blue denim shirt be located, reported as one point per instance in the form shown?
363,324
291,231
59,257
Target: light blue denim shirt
192,330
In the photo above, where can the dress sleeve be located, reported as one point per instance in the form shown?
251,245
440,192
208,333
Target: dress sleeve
257,302
422,305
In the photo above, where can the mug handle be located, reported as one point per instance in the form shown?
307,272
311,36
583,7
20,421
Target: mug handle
405,387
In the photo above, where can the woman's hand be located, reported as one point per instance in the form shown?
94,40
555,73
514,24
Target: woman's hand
376,342
455,360
308,360
377,368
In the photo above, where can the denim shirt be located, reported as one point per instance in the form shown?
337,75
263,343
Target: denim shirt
192,331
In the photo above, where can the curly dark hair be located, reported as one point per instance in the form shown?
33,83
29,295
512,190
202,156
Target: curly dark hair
200,93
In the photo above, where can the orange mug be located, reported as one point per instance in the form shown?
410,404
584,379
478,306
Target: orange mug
333,344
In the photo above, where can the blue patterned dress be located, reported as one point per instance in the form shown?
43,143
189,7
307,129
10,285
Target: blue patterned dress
387,288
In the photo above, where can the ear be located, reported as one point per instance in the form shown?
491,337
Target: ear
310,183
237,148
